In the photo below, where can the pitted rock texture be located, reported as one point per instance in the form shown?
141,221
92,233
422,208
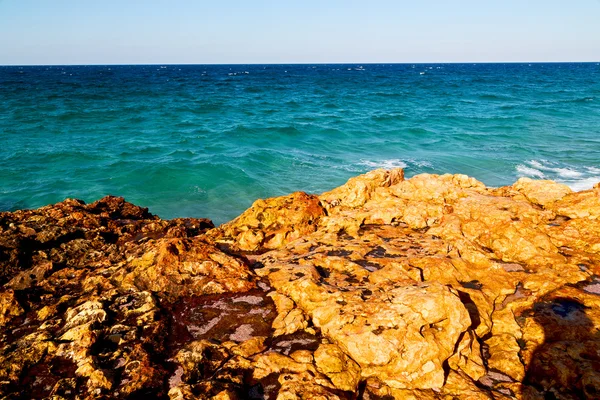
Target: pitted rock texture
433,287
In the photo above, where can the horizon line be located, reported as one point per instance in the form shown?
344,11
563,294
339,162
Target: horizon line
301,63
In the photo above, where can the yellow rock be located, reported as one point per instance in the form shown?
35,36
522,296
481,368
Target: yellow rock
357,191
337,366
271,223
9,306
185,267
541,192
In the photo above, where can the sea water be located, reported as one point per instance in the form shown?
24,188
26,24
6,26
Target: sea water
208,140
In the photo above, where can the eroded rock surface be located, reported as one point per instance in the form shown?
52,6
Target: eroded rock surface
433,287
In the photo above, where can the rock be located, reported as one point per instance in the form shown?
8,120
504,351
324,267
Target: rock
584,204
541,192
495,247
250,347
20,355
200,360
69,326
26,279
357,191
271,223
9,306
289,319
175,268
385,334
433,287
343,372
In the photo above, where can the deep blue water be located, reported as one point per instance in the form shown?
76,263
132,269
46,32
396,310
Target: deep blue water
206,141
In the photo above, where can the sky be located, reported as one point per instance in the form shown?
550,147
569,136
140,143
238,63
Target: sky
44,32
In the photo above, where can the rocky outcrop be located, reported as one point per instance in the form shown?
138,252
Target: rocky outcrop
434,287
271,223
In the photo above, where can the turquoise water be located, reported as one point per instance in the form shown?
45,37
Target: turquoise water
206,141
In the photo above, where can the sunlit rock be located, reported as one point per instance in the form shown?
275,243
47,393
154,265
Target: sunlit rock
433,287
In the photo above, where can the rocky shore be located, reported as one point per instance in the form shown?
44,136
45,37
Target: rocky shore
434,287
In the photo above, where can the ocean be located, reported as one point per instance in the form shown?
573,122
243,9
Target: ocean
208,140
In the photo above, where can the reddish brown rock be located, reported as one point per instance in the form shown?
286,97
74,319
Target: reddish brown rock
69,327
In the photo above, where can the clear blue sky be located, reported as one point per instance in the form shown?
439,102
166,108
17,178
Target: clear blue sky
289,31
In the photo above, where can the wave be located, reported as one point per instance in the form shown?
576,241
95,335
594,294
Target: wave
583,184
549,166
396,163
593,170
419,163
385,164
577,178
181,153
524,170
578,100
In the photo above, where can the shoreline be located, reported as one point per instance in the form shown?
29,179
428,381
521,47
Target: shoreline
427,287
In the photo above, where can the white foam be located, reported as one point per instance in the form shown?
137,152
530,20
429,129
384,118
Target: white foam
577,178
386,164
420,163
397,163
549,166
536,164
582,184
528,171
568,173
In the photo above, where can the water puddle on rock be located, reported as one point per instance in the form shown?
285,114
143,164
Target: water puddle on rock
221,317
287,344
